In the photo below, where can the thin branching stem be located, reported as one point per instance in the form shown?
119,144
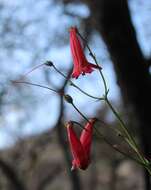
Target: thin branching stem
34,68
100,135
128,137
34,84
74,85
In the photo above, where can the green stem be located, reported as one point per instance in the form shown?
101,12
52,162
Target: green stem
116,148
104,82
102,76
80,112
95,60
94,97
131,141
129,138
34,68
34,84
104,138
74,85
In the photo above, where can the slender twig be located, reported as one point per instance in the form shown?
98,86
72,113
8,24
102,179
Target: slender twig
34,68
129,138
80,112
74,85
100,135
79,125
38,85
95,60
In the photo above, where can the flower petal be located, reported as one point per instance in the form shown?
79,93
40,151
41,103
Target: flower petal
79,155
81,65
86,136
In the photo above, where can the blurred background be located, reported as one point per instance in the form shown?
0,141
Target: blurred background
34,151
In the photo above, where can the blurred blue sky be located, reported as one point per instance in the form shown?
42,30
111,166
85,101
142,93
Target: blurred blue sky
38,31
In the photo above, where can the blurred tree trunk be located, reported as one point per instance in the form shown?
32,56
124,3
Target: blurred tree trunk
15,182
74,175
112,19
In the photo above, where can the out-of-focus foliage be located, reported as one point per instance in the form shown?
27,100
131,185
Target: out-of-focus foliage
30,34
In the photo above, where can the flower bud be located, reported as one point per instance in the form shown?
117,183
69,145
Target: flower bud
49,63
68,98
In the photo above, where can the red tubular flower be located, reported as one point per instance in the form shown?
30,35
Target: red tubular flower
80,148
81,65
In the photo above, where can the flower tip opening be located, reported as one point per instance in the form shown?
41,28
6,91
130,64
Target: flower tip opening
69,124
94,119
72,168
73,28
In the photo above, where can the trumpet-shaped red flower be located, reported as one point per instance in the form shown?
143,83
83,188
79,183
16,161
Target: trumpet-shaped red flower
81,148
81,65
